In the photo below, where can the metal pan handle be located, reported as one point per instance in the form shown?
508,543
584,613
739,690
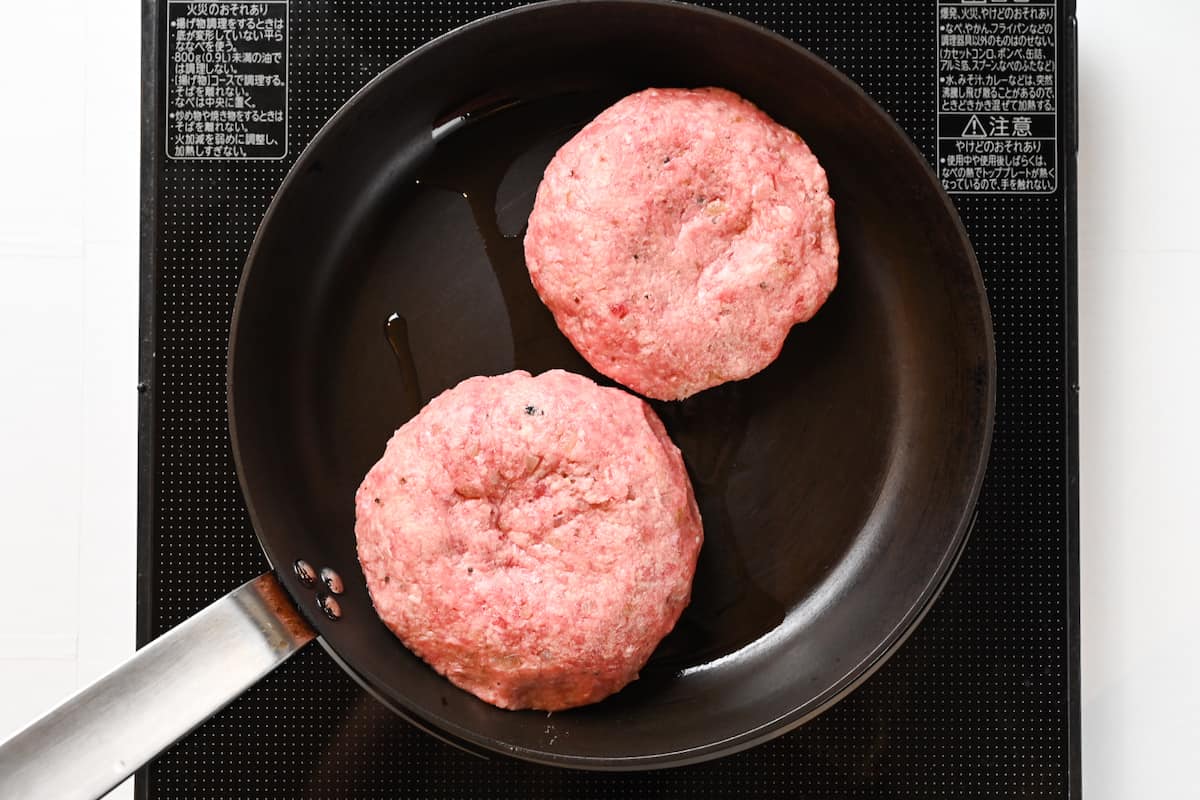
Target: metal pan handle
98,737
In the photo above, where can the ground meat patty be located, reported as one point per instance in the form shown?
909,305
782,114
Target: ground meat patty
679,236
533,539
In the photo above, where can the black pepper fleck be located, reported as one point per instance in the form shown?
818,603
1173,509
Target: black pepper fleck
534,410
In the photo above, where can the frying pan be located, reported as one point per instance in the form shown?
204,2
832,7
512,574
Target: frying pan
837,486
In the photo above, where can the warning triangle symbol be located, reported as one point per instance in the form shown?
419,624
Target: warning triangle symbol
975,129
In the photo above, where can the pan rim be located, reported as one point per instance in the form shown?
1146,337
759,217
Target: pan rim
853,676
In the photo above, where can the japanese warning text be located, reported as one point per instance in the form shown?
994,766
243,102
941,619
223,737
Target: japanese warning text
226,80
997,99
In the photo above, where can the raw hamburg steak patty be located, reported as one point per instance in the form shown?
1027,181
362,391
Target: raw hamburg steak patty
533,539
679,236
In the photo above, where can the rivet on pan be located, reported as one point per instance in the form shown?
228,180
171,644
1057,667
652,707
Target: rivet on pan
332,580
329,605
305,572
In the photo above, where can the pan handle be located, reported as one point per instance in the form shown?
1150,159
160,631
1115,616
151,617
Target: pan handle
98,737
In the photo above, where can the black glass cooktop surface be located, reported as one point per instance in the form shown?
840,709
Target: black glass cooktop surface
981,701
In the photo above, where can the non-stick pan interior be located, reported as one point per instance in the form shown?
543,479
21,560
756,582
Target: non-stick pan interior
836,486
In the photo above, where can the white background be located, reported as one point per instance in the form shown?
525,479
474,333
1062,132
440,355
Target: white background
69,150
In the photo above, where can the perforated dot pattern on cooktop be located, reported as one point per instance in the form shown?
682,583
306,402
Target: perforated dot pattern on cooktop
975,704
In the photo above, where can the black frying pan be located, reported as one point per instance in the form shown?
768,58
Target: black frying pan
837,487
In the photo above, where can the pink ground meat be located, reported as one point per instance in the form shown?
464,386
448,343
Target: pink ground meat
678,238
532,539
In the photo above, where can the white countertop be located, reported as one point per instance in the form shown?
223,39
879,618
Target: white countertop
69,344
